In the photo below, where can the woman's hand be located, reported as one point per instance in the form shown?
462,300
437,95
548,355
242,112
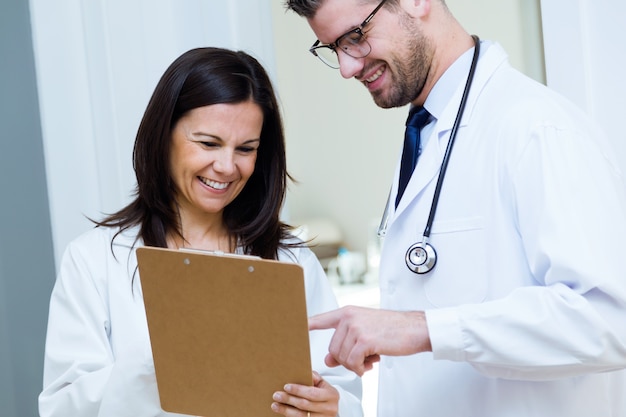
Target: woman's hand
322,399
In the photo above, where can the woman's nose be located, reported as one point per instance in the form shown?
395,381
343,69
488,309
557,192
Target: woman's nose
224,161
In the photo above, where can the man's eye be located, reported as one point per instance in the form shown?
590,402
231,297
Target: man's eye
350,41
353,38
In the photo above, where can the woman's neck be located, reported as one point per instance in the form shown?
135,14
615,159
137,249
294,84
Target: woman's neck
203,232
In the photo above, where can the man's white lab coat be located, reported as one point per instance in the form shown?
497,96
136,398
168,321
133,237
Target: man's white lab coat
526,307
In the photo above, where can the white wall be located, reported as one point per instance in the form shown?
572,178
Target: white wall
341,146
585,60
515,24
97,64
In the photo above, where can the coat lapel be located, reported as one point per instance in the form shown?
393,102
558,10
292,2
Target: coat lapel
429,164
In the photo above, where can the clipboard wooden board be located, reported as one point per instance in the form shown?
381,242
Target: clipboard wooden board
226,331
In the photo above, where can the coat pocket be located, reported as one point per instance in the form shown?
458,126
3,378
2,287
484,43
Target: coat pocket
460,275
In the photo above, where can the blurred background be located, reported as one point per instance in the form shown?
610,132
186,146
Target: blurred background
76,75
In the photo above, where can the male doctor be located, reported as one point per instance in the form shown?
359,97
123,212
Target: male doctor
504,292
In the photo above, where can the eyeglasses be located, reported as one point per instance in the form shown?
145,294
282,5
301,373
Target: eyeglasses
352,43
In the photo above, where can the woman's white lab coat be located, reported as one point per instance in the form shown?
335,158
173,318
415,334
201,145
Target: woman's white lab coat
526,307
98,360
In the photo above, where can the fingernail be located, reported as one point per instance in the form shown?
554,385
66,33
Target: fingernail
276,396
288,387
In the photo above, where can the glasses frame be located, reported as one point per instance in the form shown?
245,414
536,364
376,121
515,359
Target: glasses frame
335,45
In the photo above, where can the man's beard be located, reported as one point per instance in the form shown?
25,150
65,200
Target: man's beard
408,75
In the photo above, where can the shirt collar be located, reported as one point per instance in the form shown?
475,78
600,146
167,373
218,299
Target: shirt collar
448,84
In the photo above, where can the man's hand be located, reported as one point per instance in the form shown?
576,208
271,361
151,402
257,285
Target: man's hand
363,334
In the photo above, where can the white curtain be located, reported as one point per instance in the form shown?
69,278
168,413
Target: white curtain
98,62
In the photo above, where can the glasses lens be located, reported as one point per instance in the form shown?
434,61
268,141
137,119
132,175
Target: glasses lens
354,44
328,56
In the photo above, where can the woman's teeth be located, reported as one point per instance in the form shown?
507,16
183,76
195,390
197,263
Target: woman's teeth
214,184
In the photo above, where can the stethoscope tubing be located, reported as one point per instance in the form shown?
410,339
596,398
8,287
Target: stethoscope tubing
423,251
453,133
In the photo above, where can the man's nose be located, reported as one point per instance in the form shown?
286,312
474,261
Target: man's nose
349,66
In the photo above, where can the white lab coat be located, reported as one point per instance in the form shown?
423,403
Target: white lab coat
98,360
526,307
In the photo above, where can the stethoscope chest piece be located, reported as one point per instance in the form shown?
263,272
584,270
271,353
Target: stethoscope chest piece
421,258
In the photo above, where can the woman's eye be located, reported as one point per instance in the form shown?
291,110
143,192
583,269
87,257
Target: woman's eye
246,149
209,144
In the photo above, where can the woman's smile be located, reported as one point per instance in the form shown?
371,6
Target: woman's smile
214,184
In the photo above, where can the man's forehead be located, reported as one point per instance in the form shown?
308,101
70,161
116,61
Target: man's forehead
336,17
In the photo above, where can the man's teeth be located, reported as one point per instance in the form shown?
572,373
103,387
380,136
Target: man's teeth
375,76
215,184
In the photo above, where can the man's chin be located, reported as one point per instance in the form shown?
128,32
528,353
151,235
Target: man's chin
385,103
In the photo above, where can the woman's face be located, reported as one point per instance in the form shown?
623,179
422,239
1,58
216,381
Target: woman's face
213,153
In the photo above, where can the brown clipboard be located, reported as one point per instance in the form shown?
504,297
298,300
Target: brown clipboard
226,331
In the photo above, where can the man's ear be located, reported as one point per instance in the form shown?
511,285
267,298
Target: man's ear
416,8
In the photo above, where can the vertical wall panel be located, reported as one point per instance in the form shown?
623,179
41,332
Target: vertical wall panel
26,258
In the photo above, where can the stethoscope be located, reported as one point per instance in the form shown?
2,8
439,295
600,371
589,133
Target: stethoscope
421,257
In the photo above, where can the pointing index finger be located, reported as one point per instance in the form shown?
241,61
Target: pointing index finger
328,320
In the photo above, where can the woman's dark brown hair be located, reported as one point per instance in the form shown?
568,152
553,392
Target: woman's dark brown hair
202,77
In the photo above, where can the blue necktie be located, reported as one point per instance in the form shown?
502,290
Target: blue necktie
418,118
